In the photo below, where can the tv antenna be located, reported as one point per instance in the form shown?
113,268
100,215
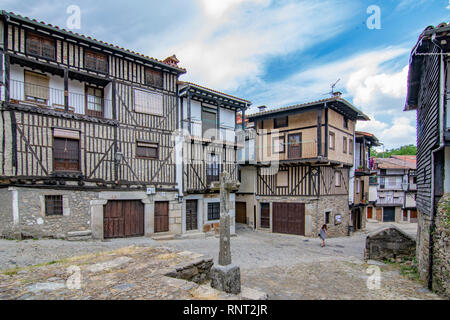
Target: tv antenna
333,86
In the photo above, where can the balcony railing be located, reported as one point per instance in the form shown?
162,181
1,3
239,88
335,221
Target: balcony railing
390,201
52,98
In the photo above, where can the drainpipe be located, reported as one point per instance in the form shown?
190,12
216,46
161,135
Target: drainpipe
441,147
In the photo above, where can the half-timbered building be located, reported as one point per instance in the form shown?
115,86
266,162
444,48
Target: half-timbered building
360,180
295,172
428,95
208,147
86,136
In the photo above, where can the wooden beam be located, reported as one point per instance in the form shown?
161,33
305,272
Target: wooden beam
7,78
189,112
66,90
319,132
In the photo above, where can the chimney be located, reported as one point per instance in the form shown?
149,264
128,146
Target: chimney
337,94
262,108
172,61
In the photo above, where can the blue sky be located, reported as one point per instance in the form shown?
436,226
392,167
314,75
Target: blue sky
274,53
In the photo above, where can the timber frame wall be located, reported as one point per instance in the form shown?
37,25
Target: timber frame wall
26,144
197,148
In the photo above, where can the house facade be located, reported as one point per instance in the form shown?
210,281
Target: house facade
86,131
360,175
208,147
396,189
295,167
428,96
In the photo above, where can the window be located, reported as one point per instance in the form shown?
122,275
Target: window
350,147
66,150
40,45
209,123
94,101
213,169
358,186
382,182
153,78
36,87
53,205
327,217
214,211
278,145
147,150
345,123
344,145
282,179
280,122
148,102
337,178
95,61
332,141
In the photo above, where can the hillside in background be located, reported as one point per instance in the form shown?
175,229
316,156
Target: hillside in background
409,150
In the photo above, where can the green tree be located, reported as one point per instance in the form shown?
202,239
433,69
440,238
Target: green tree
409,150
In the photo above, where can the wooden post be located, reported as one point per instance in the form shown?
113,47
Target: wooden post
66,90
243,119
189,111
7,78
114,115
218,122
319,132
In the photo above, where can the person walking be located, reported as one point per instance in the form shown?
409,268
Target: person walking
323,234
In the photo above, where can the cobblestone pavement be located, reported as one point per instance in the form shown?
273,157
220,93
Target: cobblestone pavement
283,266
131,273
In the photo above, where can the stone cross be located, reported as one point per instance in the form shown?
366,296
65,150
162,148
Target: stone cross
226,186
226,277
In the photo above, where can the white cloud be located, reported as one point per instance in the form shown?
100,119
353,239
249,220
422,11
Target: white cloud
230,42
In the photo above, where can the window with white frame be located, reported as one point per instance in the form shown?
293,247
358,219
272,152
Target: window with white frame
148,102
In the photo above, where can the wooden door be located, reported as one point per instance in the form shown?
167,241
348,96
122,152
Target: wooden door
289,218
265,215
380,214
191,215
369,213
295,146
413,216
123,219
161,216
241,212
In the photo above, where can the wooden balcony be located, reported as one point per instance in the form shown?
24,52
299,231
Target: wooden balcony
54,99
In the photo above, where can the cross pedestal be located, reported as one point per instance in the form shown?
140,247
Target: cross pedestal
226,276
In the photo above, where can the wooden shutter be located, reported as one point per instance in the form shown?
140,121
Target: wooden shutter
40,45
153,78
36,87
96,61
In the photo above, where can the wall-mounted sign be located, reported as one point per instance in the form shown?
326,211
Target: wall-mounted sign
337,219
151,190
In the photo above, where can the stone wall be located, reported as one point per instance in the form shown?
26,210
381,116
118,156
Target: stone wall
197,271
422,246
389,243
441,252
315,209
34,222
6,215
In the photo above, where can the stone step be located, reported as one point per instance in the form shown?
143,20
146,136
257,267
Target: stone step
83,238
163,236
79,233
193,235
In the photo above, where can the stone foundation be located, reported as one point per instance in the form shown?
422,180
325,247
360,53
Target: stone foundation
197,271
315,209
441,252
23,212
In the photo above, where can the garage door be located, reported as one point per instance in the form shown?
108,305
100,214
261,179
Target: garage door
389,214
123,219
289,218
241,212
